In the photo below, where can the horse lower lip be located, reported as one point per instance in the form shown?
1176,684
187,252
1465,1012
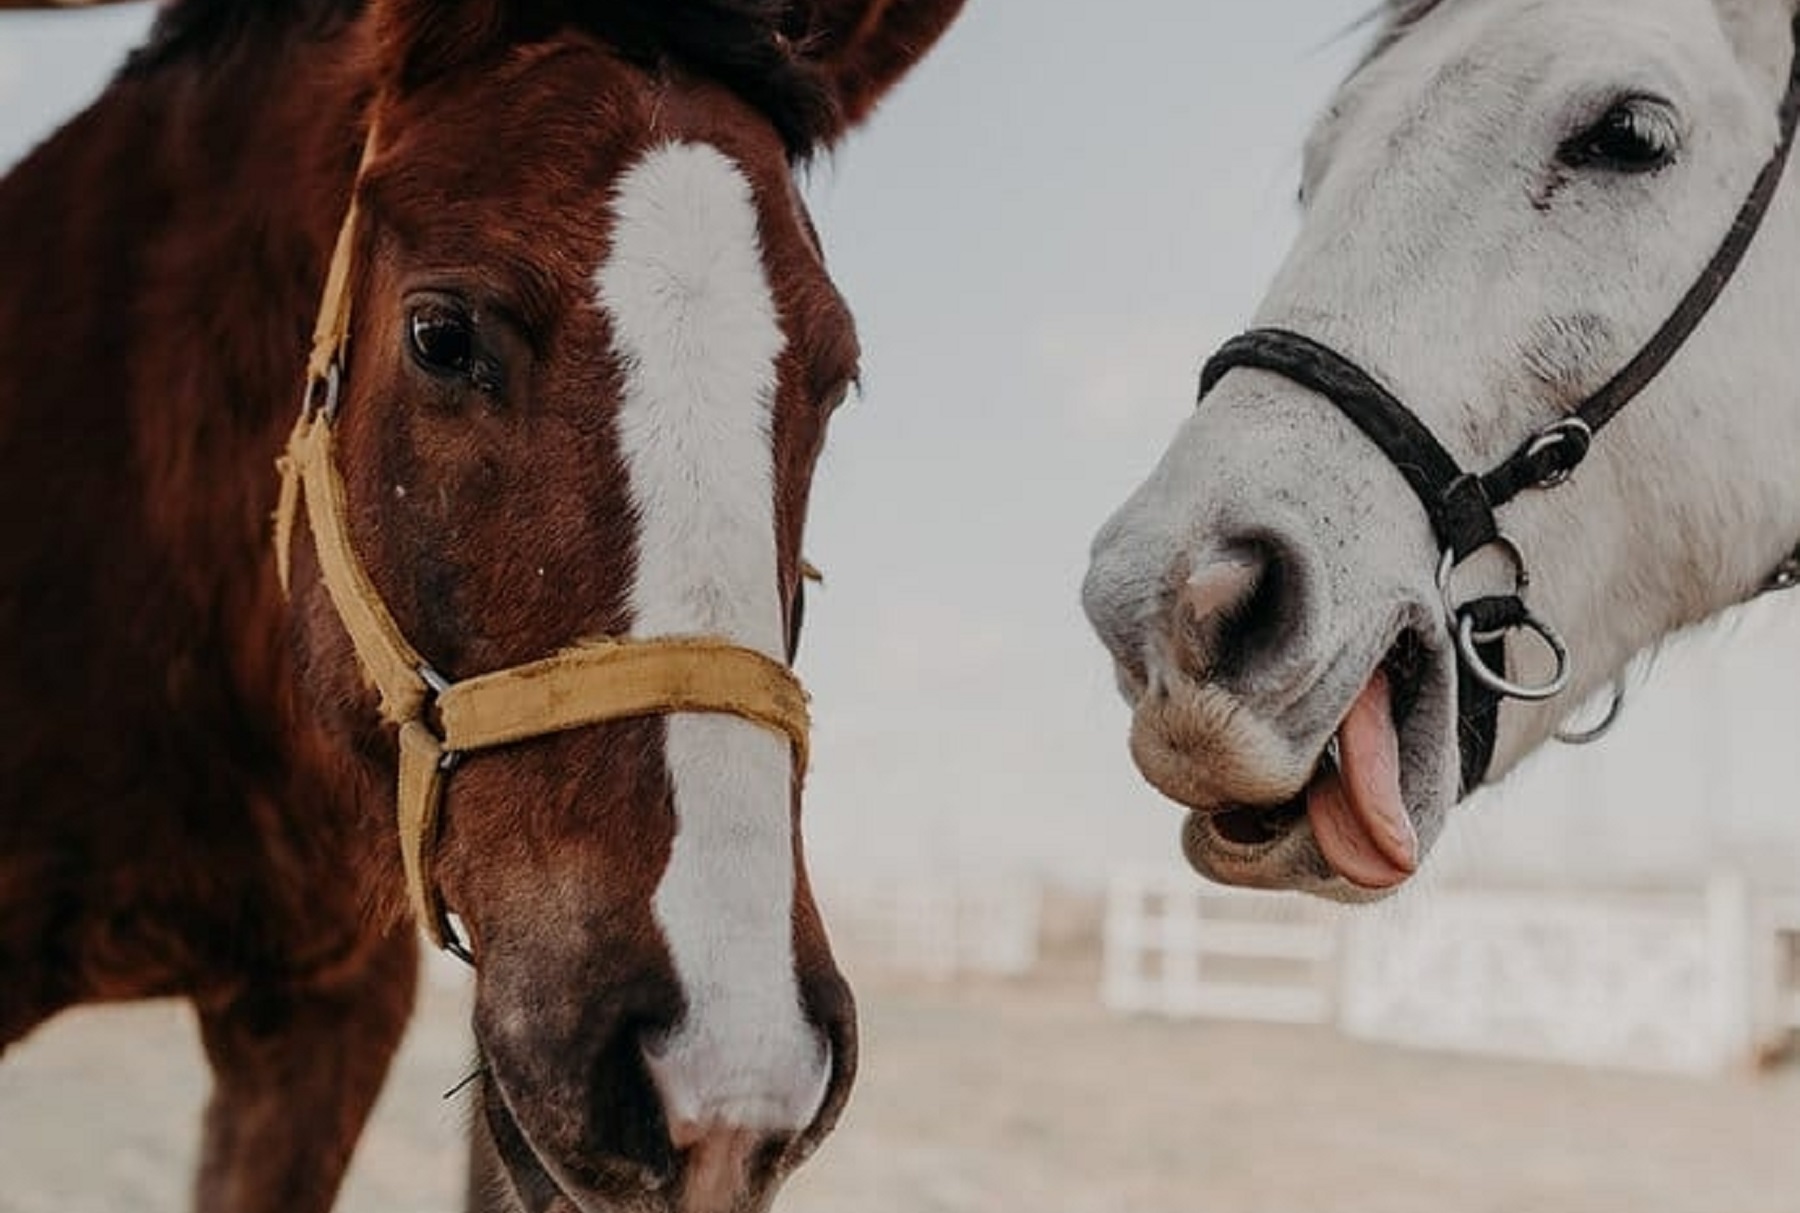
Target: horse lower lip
542,1176
1254,826
1260,825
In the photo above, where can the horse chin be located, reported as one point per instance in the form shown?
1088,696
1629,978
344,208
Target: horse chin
536,1182
1292,861
1285,858
1275,843
528,1185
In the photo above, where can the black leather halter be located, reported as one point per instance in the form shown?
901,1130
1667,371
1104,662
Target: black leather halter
1461,504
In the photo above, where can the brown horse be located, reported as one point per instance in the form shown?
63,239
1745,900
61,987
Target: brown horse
574,365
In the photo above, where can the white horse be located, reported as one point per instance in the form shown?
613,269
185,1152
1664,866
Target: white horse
1503,206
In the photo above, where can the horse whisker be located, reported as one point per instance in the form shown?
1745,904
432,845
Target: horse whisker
478,1072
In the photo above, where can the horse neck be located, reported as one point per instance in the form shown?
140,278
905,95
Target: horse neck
165,253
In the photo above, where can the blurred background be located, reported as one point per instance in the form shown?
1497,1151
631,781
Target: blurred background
1043,234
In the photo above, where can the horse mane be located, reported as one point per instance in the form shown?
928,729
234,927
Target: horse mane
1402,14
757,48
1396,19
201,31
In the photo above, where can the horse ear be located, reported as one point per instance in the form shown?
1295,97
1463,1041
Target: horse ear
419,40
864,47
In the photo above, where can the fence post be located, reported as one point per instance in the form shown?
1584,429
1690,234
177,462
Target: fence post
1728,932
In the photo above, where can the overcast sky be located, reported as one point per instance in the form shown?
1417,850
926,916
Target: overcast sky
1042,235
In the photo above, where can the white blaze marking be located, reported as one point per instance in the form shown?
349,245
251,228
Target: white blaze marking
695,329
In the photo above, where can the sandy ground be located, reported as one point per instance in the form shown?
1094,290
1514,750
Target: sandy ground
1008,1098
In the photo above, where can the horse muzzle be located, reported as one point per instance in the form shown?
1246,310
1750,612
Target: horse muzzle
1299,703
598,1125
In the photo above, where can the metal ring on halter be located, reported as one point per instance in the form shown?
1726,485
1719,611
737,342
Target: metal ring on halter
1448,565
1569,429
1785,577
438,684
1498,683
1615,707
454,933
322,394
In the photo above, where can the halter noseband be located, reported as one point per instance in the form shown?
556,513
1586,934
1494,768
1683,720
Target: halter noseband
1461,505
590,683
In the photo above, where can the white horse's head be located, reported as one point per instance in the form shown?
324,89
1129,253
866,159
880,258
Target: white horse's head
1501,207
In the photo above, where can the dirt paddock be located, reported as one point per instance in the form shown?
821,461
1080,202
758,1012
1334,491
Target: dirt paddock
1007,1098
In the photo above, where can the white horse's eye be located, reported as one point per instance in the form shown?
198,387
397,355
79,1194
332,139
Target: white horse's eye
1638,134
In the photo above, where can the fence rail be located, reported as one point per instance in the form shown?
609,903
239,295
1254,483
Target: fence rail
937,927
1687,982
1174,946
1779,923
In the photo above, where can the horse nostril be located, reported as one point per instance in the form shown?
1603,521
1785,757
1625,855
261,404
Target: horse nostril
1210,598
627,1119
1236,609
832,1007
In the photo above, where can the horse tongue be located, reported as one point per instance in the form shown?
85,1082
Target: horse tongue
1357,813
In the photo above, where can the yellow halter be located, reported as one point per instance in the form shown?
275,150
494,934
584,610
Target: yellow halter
590,683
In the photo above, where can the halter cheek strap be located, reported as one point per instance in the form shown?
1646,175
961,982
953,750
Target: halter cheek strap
1461,505
590,683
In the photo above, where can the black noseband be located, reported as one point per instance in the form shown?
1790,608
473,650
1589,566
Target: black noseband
1462,505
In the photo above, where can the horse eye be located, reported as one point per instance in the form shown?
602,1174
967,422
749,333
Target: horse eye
442,340
1637,135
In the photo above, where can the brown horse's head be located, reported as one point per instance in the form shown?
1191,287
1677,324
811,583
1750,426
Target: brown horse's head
593,354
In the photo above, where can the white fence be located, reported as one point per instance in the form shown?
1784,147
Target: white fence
1640,982
1679,983
1778,925
936,927
1175,946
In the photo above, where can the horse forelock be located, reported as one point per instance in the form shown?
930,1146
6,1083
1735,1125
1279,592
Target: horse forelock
759,49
